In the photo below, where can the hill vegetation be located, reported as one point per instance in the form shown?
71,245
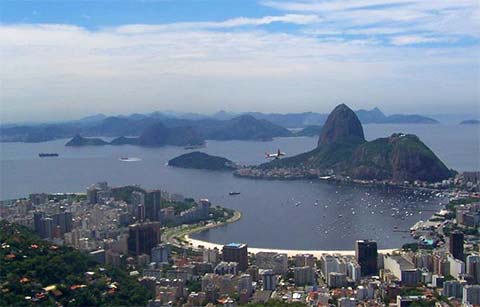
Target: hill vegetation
33,270
343,150
200,160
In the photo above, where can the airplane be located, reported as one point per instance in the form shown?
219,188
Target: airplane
276,155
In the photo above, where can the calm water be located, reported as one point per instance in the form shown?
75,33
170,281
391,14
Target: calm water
272,216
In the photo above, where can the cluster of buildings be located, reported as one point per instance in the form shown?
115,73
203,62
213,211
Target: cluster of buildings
123,227
113,224
232,276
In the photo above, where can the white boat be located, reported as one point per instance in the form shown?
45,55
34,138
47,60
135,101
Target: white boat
130,159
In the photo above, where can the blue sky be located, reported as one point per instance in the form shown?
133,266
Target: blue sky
67,59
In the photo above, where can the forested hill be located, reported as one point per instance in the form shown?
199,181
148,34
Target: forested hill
33,270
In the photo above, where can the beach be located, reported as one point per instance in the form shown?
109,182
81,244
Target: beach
198,244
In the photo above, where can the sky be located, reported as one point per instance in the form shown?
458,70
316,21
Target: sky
63,60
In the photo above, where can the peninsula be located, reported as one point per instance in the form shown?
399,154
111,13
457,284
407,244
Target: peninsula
343,152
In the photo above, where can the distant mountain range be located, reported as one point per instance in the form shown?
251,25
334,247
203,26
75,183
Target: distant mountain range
177,132
312,130
220,126
298,120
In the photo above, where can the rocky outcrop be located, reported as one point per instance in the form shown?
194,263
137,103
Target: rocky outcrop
342,150
341,124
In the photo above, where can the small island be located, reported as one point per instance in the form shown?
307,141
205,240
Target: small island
201,160
470,122
78,141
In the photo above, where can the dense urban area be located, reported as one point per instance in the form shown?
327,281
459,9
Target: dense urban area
127,245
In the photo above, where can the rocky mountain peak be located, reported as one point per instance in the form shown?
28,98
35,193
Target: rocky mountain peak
342,123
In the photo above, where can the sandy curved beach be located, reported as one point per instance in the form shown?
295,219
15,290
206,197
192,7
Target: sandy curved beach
290,252
198,244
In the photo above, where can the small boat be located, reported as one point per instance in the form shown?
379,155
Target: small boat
298,204
129,159
46,154
233,193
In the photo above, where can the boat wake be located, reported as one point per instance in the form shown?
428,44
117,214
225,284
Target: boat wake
133,159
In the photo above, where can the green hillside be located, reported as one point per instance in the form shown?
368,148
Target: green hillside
33,270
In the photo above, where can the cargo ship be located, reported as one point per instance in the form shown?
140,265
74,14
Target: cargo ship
46,154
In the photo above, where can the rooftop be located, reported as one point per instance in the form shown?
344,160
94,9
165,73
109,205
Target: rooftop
235,245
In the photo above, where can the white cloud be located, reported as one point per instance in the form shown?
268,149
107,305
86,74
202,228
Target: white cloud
75,71
414,39
298,19
373,17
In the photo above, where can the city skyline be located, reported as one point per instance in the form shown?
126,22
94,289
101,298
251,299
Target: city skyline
80,58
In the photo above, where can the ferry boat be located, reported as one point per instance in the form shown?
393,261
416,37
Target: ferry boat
46,154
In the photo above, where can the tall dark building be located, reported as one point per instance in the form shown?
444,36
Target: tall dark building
456,245
153,201
143,237
64,220
366,254
39,224
236,252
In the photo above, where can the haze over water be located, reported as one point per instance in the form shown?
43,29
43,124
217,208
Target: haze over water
272,215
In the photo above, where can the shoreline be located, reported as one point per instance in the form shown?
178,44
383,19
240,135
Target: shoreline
185,239
197,244
334,180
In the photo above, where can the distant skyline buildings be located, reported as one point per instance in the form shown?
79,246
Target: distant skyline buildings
82,57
